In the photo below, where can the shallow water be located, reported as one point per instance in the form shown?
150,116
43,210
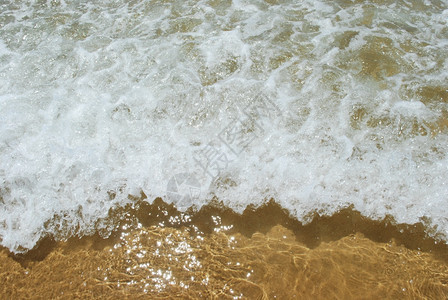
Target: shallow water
159,252
314,118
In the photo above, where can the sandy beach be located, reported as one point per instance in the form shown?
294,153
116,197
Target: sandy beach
157,252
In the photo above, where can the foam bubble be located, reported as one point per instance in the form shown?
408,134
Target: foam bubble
318,104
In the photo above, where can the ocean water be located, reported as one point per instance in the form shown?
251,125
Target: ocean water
320,105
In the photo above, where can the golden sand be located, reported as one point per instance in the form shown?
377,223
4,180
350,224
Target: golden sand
158,252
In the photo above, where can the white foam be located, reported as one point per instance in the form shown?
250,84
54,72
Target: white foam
111,98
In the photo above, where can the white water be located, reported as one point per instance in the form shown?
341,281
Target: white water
110,98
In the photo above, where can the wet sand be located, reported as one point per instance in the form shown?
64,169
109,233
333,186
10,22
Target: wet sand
159,252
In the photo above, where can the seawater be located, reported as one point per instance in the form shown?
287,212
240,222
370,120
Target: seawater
320,105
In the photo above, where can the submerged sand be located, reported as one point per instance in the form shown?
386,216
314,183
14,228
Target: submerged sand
158,252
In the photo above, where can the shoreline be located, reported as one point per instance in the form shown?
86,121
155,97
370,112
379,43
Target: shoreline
320,228
215,252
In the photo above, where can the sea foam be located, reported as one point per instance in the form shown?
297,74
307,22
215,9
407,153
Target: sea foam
318,104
